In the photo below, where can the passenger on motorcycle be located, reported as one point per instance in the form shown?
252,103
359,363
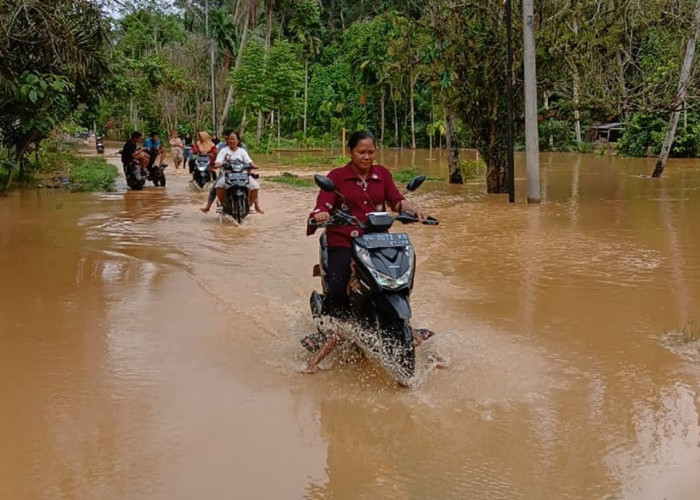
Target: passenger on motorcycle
203,146
233,152
155,149
132,150
367,188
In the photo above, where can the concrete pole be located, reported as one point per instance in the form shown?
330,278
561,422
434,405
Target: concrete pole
211,67
509,97
532,149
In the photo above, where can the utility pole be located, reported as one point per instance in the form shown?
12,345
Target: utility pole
532,148
509,96
211,67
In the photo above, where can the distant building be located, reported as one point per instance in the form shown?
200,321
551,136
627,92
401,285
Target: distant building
606,132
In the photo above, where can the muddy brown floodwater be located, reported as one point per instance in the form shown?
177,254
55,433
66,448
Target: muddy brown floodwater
148,351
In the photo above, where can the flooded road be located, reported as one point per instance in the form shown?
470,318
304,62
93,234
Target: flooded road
149,351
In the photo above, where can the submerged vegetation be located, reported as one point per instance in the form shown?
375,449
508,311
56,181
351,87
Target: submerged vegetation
691,331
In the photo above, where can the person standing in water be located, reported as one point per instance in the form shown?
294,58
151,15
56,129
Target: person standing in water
176,147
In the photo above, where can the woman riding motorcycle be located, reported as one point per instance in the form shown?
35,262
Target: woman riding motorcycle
366,188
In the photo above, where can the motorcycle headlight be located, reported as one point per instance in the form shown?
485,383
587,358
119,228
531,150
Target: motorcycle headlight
382,279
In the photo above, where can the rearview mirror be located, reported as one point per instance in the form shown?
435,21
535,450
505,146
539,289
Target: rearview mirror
415,182
324,183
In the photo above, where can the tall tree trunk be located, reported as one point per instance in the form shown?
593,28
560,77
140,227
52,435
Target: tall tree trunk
577,102
550,137
269,14
241,127
577,90
229,94
414,78
622,87
382,117
306,90
495,151
682,93
452,146
133,114
258,130
532,149
396,125
8,182
212,58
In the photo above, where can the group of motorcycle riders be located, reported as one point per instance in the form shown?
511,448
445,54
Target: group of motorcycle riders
184,152
361,187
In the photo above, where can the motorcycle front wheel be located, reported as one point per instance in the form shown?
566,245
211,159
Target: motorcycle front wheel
399,353
241,209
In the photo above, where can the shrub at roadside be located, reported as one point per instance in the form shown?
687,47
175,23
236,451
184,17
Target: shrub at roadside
92,174
471,169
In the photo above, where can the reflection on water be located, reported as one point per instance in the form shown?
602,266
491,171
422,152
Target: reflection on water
147,350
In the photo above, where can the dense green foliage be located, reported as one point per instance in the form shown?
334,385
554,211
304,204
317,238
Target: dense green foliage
645,134
295,72
52,64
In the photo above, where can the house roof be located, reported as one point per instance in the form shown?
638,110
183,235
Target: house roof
609,126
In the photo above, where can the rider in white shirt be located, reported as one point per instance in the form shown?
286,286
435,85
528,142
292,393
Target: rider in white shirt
229,153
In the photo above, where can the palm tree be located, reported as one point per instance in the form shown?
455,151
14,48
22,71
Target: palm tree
52,58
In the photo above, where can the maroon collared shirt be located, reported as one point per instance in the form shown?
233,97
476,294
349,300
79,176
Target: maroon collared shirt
377,193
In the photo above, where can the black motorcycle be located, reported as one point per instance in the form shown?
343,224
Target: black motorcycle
156,174
237,175
201,173
383,266
100,144
134,176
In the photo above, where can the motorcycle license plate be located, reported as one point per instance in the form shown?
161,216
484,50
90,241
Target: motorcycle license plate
237,177
385,240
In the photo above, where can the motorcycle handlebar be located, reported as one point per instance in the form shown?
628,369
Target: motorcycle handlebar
408,218
403,217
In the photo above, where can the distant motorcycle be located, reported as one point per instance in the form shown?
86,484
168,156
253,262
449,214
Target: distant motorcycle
237,175
100,144
201,173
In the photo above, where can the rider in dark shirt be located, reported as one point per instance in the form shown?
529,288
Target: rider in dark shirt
132,150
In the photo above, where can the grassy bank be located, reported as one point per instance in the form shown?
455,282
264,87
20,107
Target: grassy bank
404,176
292,180
57,165
92,174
